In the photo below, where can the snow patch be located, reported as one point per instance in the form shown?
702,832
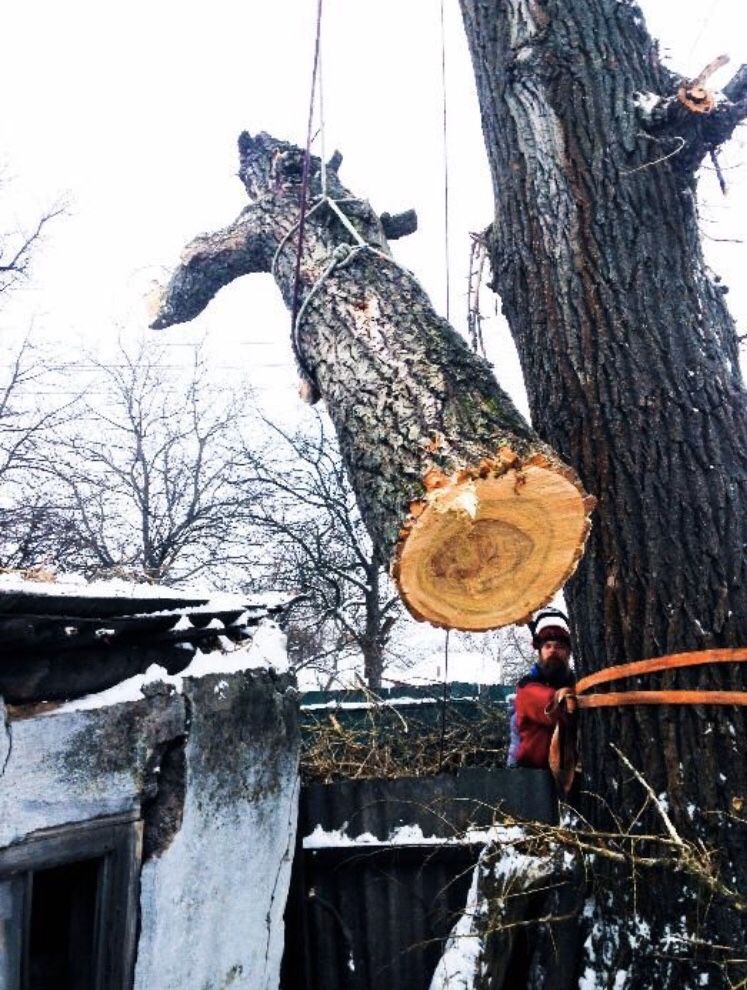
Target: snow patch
126,691
588,980
641,933
362,705
404,835
266,649
645,102
458,966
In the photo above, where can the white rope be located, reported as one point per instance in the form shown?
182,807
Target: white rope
341,256
345,221
320,202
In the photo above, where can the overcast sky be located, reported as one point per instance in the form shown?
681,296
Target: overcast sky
130,114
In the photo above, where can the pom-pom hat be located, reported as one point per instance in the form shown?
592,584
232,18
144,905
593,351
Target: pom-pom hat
550,623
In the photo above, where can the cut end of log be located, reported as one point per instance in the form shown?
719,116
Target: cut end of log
489,546
697,99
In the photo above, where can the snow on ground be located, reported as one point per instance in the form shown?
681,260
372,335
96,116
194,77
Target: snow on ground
469,667
458,966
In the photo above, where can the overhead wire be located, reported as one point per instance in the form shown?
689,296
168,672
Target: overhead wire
447,270
296,301
703,26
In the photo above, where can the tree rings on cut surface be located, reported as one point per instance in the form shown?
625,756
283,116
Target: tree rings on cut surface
487,547
696,98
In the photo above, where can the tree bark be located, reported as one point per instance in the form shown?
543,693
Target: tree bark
630,360
482,521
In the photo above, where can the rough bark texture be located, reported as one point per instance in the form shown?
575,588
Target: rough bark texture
416,412
630,360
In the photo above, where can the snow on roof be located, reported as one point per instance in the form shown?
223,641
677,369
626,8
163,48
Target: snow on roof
76,586
266,650
106,633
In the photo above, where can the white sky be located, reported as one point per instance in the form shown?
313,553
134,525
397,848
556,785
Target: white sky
131,112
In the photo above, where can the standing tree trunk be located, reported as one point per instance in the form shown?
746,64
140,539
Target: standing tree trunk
630,361
480,519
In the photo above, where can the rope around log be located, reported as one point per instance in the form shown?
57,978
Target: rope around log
342,255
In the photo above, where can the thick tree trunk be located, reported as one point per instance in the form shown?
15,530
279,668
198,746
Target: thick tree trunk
630,360
482,521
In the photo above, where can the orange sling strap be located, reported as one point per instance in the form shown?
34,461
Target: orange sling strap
568,700
673,660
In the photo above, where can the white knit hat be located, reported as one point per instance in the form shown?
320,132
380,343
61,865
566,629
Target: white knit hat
549,618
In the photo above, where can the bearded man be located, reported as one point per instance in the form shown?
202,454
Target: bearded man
534,719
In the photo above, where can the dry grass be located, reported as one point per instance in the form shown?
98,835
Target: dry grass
385,741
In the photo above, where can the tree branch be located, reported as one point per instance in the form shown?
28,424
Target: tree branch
695,120
399,224
211,261
736,89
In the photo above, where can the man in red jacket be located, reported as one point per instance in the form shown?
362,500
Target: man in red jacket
536,691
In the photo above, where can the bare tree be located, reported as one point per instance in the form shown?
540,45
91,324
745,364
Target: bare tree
509,650
146,473
25,416
317,545
23,419
17,249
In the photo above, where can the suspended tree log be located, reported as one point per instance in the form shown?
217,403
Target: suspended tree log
481,521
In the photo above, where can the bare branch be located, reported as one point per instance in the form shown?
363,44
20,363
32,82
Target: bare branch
17,265
212,261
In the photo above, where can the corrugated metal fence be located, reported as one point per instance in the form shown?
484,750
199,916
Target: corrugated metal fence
371,903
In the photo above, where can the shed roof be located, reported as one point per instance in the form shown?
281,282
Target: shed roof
62,639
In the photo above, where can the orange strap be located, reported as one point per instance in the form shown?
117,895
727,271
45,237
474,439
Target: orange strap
663,698
568,700
728,655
